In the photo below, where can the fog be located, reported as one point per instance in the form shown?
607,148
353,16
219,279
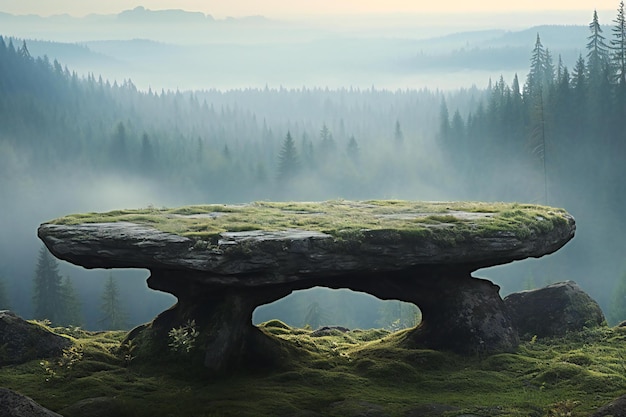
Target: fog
166,109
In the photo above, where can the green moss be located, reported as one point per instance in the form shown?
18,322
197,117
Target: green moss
348,221
345,374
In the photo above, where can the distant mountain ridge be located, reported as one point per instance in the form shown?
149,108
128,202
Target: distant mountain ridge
138,14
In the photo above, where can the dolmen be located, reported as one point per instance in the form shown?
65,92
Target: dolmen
222,261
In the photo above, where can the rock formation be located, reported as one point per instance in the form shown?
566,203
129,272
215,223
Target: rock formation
13,404
553,310
21,341
616,408
221,262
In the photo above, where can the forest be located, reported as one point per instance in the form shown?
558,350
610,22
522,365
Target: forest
73,143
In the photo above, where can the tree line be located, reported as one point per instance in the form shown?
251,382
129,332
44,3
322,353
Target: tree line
55,300
558,138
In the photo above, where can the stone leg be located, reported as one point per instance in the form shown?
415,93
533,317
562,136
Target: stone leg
459,313
226,338
465,315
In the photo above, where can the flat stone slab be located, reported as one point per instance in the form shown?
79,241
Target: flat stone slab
222,261
287,241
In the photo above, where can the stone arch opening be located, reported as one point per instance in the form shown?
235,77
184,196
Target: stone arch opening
322,306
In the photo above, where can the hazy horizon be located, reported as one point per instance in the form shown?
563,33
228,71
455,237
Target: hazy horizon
286,8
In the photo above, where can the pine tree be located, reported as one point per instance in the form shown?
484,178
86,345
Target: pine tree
148,159
118,150
4,297
618,45
326,140
617,310
71,314
48,289
353,149
598,51
288,163
113,315
444,123
398,135
536,76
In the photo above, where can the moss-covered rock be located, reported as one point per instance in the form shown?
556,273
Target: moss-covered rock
22,341
222,261
553,310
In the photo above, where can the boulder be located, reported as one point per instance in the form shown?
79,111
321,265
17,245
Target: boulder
616,408
21,341
222,261
553,310
13,404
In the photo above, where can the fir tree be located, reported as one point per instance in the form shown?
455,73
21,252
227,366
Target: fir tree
4,297
148,159
618,45
48,289
71,314
398,135
288,163
597,49
326,140
617,310
536,76
353,149
113,315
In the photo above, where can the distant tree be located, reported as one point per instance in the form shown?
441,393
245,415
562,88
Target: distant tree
618,59
396,315
148,157
597,50
119,147
327,143
541,73
353,149
48,297
579,76
24,52
113,315
316,316
4,296
444,123
618,45
617,309
226,152
398,135
288,162
71,313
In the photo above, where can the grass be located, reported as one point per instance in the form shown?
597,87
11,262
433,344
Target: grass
448,222
338,375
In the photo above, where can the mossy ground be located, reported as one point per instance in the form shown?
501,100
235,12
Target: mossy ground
336,375
452,221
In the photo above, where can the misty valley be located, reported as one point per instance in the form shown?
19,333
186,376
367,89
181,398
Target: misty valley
311,220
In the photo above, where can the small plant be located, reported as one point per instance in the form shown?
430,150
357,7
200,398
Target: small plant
71,356
183,338
48,370
61,368
563,408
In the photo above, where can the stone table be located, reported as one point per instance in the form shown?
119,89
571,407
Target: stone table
222,261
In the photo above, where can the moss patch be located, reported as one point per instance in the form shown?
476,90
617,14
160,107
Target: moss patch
340,375
342,219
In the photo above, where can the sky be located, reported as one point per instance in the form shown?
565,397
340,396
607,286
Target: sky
284,8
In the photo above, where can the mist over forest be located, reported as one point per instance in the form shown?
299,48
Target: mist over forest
142,117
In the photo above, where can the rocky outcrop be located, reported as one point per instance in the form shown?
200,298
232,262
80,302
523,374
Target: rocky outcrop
13,404
616,408
410,253
553,310
21,341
